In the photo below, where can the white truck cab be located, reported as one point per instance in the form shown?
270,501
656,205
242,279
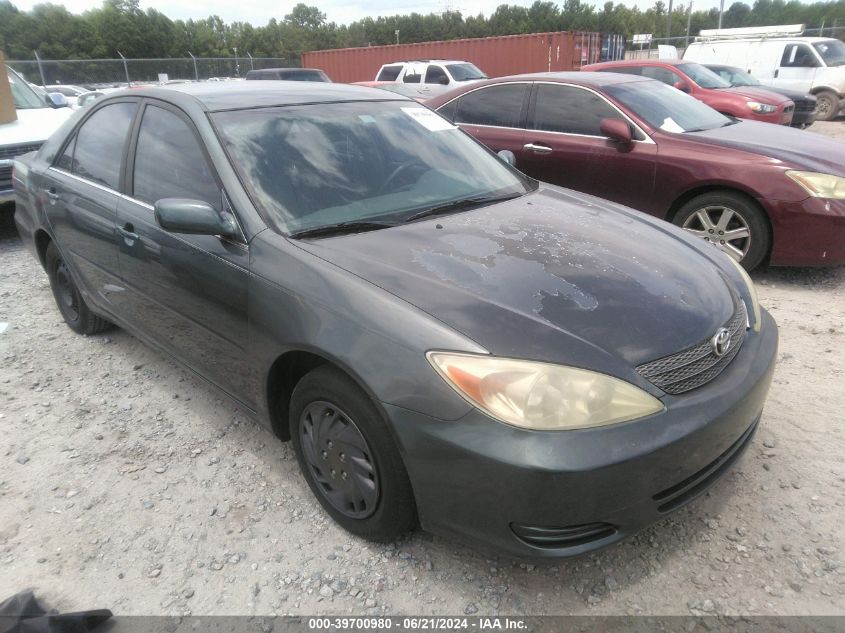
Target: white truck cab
433,73
37,119
780,57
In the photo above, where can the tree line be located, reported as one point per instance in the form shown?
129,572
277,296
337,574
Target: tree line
121,26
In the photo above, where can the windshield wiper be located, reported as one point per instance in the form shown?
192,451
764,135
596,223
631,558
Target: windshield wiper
457,205
340,228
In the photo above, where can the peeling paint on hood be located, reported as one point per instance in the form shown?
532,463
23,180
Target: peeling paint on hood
546,276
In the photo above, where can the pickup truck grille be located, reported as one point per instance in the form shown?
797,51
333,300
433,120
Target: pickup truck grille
805,105
699,364
5,177
10,151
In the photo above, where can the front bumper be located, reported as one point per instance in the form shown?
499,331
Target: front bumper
479,480
808,233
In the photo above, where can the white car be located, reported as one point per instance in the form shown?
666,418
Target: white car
809,64
71,93
433,75
36,121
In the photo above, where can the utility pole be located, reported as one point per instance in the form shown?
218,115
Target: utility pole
689,22
40,69
669,22
721,11
237,64
397,35
125,70
196,71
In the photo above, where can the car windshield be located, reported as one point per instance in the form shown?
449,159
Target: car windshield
465,72
832,52
23,95
321,165
703,76
735,76
665,108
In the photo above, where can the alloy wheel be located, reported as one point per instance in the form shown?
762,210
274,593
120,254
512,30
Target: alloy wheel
339,459
722,226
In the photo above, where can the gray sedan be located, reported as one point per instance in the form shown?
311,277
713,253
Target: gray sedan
444,340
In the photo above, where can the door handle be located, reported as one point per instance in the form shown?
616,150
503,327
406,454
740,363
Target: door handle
777,70
537,148
128,233
52,194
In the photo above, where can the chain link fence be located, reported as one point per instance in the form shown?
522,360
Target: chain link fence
100,73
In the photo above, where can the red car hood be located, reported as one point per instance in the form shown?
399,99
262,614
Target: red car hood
758,94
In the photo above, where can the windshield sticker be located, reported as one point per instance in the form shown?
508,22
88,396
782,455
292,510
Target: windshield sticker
669,125
367,118
429,120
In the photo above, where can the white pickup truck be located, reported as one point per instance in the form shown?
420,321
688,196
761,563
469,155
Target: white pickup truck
37,120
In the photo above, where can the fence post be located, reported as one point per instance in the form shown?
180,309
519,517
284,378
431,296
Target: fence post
251,67
40,70
125,70
196,72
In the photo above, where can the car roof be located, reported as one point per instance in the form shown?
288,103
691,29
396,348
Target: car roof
237,95
287,70
639,62
584,78
425,61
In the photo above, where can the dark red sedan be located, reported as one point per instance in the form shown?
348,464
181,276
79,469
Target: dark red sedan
757,191
743,102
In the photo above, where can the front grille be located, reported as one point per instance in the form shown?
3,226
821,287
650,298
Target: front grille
679,494
805,106
10,151
558,537
697,365
5,178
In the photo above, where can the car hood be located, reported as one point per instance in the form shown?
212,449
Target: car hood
553,275
796,148
795,95
33,125
758,94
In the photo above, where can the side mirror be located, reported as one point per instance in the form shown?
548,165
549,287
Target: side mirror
507,156
682,86
617,131
180,215
57,100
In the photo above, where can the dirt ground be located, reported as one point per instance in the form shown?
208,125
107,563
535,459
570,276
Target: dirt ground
128,484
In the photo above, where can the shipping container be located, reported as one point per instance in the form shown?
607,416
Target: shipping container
496,56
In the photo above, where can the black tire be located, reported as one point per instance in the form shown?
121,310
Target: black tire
393,511
827,105
72,306
745,214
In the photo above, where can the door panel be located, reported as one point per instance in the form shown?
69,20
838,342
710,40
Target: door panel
564,146
798,67
81,198
186,292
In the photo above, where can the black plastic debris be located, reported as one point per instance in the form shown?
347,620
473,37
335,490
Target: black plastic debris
22,614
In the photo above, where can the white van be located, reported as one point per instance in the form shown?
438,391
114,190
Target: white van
809,64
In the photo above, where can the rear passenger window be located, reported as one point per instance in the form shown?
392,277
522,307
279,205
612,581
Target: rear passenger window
570,110
99,144
499,106
169,161
389,73
660,74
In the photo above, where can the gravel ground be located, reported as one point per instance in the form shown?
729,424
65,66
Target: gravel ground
126,483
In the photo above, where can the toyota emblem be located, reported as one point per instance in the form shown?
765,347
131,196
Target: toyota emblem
721,342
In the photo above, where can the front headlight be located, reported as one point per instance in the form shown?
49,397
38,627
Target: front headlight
761,108
752,292
819,185
542,396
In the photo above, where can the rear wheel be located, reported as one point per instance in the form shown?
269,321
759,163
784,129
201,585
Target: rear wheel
827,105
731,222
348,457
72,306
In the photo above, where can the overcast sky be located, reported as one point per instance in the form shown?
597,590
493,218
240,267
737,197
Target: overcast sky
259,12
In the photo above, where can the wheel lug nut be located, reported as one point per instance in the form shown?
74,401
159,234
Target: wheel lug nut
324,455
343,475
342,457
721,241
334,473
721,232
711,230
329,444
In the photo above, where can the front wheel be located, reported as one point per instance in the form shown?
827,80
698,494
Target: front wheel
827,105
731,222
69,300
348,457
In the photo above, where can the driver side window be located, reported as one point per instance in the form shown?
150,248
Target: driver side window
798,56
436,75
170,163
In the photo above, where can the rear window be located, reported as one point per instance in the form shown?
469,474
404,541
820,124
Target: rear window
304,75
389,73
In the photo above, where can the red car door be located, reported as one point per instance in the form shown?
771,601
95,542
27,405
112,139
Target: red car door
495,115
565,146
